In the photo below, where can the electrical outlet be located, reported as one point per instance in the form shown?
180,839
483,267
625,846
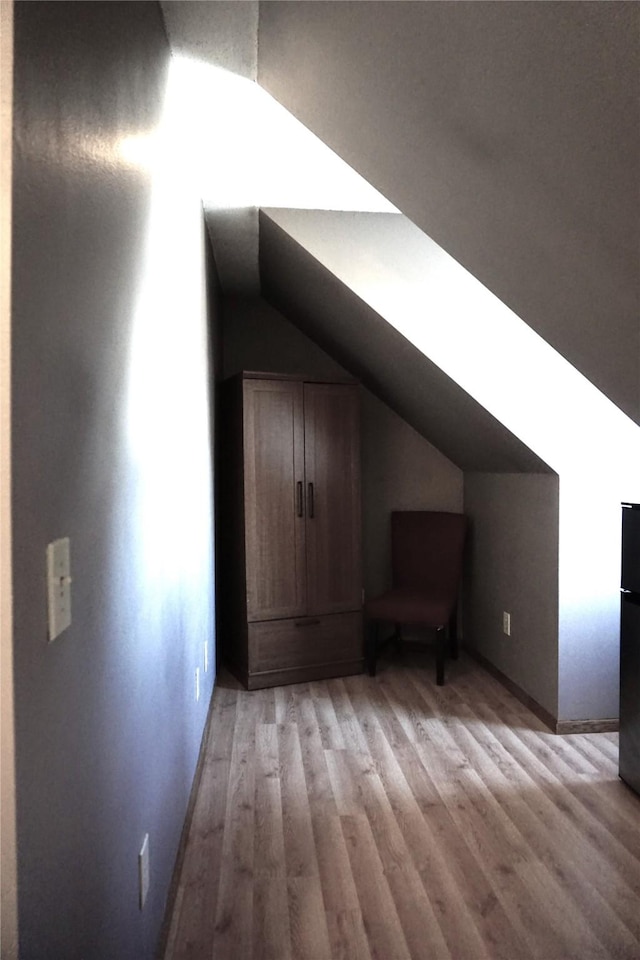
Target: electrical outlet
143,870
197,684
506,623
206,656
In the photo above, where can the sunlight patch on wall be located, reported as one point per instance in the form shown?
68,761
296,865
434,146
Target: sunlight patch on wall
249,151
168,422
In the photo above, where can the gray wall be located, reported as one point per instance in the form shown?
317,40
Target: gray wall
111,447
507,132
257,337
400,469
223,34
513,567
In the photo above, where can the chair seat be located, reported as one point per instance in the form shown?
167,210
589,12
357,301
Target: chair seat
407,606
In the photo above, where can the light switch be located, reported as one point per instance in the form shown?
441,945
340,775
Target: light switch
58,587
143,871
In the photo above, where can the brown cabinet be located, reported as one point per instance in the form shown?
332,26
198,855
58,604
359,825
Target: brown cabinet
292,589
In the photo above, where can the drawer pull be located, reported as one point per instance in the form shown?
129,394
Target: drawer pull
306,623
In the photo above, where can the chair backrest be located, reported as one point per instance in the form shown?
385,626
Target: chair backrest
426,551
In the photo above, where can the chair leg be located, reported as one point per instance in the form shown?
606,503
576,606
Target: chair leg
372,647
440,653
398,642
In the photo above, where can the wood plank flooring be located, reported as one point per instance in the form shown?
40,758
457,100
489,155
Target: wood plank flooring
390,819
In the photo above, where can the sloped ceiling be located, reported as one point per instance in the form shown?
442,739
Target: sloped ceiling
328,312
444,111
508,132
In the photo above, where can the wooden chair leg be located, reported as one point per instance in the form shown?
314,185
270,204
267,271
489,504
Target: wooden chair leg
372,647
440,653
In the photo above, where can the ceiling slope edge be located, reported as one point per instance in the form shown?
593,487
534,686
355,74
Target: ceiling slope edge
473,337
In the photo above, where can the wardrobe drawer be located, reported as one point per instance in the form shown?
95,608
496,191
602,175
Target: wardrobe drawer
304,641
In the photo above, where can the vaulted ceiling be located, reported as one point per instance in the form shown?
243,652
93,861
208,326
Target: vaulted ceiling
508,132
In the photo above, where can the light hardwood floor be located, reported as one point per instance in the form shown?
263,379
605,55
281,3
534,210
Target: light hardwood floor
390,819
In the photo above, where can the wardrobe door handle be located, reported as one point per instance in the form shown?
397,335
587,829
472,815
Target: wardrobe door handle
300,506
310,500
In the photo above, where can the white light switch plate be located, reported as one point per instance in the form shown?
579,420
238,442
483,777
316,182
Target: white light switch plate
58,587
143,871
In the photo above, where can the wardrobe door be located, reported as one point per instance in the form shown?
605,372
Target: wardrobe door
332,475
274,499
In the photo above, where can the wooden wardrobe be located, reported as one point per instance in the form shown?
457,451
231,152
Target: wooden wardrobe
291,525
